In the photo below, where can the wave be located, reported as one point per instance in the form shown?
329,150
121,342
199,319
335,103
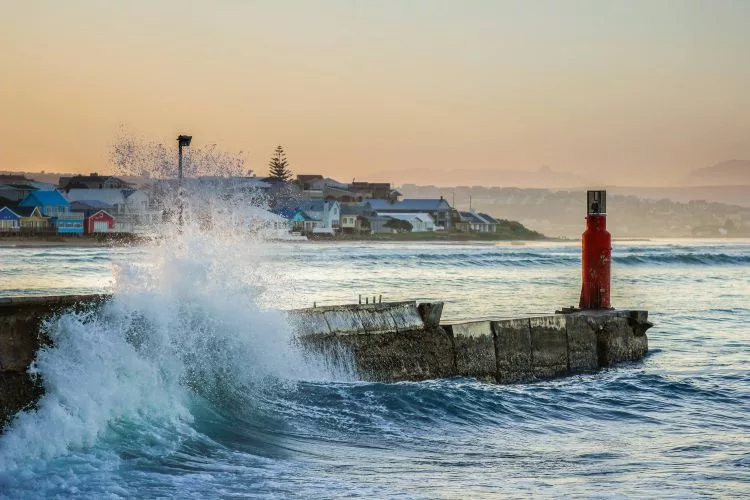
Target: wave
531,259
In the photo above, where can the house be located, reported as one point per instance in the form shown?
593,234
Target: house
318,216
9,220
129,207
374,190
353,219
16,192
420,222
378,224
265,223
52,204
93,181
439,209
32,220
477,222
99,222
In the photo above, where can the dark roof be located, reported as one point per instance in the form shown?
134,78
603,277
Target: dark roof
355,210
6,202
471,217
24,211
410,205
489,218
13,178
477,218
366,186
308,177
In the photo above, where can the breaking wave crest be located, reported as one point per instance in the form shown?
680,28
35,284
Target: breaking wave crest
184,329
541,258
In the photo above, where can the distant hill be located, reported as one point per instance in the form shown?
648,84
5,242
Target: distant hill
726,173
562,212
543,177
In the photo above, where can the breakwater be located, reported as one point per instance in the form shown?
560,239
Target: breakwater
387,342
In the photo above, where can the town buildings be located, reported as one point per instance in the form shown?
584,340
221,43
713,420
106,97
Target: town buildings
312,204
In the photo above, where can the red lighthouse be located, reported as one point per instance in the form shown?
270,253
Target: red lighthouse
596,247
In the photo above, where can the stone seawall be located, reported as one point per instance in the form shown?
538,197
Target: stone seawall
387,342
403,341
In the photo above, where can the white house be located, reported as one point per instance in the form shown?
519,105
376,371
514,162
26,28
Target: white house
321,216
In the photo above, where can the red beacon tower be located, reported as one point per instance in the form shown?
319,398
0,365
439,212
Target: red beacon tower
596,246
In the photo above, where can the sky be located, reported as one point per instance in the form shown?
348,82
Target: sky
635,92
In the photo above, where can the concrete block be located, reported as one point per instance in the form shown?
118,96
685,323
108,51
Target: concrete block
308,322
549,346
474,345
617,341
406,316
377,320
512,350
582,350
431,312
345,321
410,355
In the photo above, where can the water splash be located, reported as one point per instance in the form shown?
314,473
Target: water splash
184,322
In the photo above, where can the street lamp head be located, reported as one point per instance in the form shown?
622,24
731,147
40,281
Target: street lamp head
184,140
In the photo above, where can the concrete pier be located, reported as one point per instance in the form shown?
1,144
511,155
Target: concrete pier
387,342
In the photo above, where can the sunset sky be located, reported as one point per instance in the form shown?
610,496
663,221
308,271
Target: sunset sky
629,92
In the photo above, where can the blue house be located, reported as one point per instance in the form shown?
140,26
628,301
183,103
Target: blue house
9,220
52,204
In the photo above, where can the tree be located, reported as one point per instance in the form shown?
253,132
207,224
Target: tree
278,166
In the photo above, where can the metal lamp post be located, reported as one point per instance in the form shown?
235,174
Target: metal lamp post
182,141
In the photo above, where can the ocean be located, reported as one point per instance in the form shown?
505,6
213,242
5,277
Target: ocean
186,384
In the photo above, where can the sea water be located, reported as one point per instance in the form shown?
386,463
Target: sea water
186,385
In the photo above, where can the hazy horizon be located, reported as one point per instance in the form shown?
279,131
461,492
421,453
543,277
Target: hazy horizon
614,93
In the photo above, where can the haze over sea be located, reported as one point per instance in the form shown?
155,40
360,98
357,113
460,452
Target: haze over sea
186,385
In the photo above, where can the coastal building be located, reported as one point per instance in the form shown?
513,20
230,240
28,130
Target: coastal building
439,209
93,181
353,219
129,207
265,223
9,220
50,203
16,192
374,191
14,218
420,222
98,222
476,222
378,224
318,216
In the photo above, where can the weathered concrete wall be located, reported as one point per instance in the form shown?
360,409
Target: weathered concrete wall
503,351
387,342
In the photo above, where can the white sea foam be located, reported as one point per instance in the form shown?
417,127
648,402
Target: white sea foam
185,319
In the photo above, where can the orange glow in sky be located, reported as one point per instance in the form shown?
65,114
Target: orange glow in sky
614,91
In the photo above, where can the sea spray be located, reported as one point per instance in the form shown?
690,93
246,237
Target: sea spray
184,324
